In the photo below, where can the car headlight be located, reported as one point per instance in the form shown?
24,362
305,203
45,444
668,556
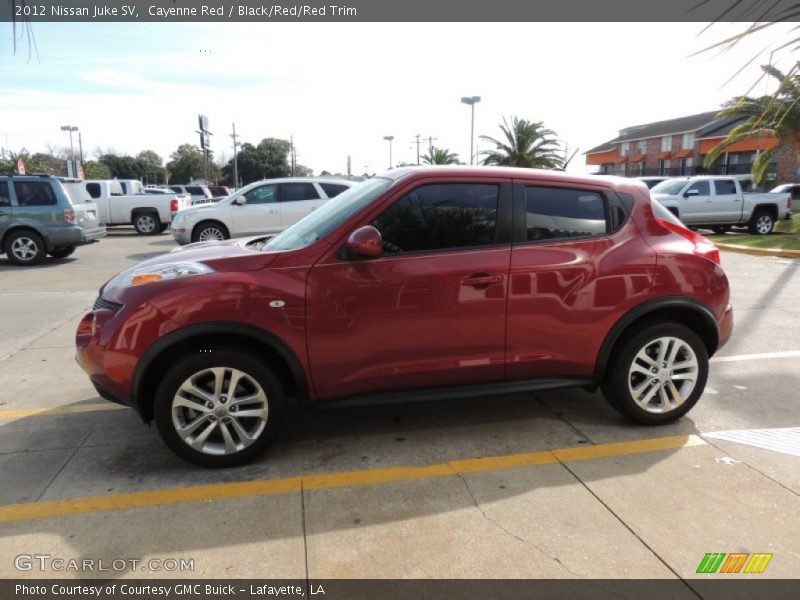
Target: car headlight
155,273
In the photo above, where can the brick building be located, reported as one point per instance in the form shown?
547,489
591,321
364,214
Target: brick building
679,146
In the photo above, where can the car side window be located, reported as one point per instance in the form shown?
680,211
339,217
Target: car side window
264,194
332,189
5,198
439,217
561,213
93,189
724,187
35,193
176,188
195,190
293,192
701,187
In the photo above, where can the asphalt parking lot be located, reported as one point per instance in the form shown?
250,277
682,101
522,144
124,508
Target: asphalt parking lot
544,485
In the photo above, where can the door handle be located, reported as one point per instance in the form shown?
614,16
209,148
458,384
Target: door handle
481,279
272,211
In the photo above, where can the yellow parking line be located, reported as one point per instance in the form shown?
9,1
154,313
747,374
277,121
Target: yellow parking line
57,410
322,481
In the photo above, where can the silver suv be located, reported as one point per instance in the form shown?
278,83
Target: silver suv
38,217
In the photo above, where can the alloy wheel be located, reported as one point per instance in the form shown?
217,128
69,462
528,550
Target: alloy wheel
24,248
663,375
146,224
764,224
211,234
220,411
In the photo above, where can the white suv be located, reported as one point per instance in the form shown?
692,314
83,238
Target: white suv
267,206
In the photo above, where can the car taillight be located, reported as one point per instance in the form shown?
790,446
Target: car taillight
173,205
69,215
702,246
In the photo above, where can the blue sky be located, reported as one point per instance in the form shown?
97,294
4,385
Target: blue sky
339,88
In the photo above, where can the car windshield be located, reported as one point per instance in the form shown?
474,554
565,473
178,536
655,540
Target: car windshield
328,216
671,187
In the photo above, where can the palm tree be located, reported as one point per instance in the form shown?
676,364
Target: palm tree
526,144
440,156
776,115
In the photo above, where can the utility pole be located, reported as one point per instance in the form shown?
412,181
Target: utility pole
349,167
292,156
418,142
235,159
471,101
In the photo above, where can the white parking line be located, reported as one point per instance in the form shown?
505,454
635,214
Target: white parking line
763,355
785,440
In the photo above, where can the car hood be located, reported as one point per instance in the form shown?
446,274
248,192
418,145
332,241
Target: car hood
226,255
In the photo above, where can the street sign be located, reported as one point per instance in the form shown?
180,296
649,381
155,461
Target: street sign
203,121
21,167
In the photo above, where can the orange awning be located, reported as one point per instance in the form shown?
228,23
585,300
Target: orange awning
619,160
684,153
600,158
664,155
764,143
639,158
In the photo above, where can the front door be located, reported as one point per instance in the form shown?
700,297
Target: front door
431,310
261,212
696,199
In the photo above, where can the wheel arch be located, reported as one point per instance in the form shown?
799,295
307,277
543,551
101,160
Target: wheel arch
263,345
772,209
213,221
680,309
23,227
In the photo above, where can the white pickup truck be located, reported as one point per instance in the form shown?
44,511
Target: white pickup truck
148,213
719,202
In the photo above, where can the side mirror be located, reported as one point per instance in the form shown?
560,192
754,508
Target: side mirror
689,193
240,201
365,241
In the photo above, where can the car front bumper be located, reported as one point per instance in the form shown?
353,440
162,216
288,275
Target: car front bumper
182,234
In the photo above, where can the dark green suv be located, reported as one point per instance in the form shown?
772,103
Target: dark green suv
39,216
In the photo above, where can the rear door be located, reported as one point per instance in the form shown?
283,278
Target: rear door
261,212
726,204
5,206
37,204
576,268
298,199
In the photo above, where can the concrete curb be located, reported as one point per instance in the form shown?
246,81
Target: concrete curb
759,251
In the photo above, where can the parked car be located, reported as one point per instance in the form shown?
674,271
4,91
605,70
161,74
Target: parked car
148,213
199,193
720,203
651,181
793,189
417,284
38,216
131,187
267,206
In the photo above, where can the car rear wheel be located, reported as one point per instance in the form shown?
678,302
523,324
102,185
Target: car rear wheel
762,223
146,223
221,408
62,252
25,248
210,231
657,374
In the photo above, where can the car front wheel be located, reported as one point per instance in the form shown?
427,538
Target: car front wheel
25,248
220,408
210,231
657,374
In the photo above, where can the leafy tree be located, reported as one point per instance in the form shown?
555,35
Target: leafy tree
303,171
777,116
45,163
527,144
186,164
122,166
265,161
324,173
95,170
440,156
152,167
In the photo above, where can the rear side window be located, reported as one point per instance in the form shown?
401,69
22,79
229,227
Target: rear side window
195,190
724,187
93,189
35,193
176,188
560,213
293,192
439,217
332,189
701,187
5,198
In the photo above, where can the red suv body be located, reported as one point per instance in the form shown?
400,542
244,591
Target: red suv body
421,283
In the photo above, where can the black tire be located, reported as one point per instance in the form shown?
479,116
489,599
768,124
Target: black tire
197,365
205,229
62,252
721,229
616,382
762,223
146,223
25,248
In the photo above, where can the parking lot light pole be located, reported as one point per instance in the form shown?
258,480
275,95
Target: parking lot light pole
472,101
70,129
389,139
